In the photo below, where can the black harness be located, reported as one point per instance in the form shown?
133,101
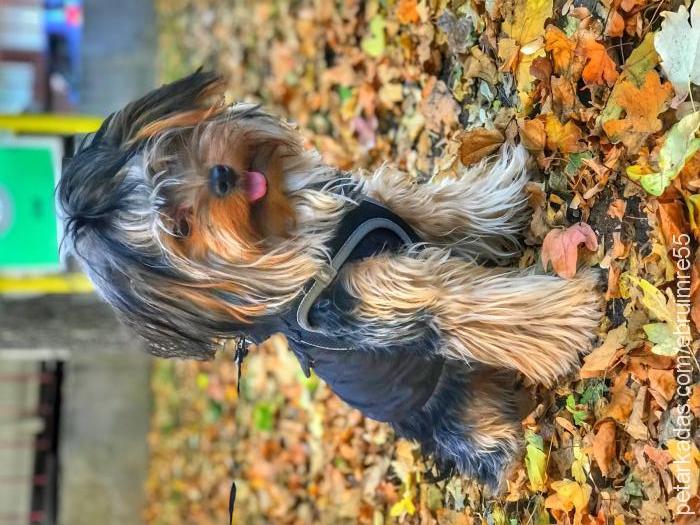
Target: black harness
383,383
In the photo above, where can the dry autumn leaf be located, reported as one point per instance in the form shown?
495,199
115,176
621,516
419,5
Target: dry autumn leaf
561,47
565,138
599,68
604,449
478,143
532,134
560,246
524,24
642,107
600,359
407,11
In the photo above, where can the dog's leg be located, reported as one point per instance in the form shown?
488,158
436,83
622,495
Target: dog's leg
536,324
480,214
470,423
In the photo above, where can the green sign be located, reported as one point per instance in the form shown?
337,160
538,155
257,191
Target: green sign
28,223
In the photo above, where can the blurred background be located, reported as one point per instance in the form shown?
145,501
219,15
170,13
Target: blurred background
74,386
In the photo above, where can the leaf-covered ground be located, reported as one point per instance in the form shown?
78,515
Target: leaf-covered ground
602,94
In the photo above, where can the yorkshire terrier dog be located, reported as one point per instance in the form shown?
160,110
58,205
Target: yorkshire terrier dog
201,222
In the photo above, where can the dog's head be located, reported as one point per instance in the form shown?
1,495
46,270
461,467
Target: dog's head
178,208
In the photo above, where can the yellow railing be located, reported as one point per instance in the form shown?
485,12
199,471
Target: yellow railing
50,124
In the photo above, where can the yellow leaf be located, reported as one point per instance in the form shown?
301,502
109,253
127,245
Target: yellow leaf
685,463
525,25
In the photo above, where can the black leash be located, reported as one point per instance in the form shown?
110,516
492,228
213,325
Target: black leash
238,357
231,501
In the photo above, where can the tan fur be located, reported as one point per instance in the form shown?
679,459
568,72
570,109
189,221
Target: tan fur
536,324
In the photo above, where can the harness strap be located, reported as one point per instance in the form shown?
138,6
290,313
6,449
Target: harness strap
325,278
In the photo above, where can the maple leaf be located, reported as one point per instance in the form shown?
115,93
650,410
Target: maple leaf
525,25
561,47
599,68
642,60
478,143
561,248
678,44
562,137
642,107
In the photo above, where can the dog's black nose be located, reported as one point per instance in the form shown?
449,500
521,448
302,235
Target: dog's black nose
222,180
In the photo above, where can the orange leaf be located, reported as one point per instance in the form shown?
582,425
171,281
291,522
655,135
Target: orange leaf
672,221
478,143
561,248
615,25
407,11
642,106
562,137
561,47
604,450
600,68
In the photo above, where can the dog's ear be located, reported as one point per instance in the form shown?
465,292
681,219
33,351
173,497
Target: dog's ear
184,102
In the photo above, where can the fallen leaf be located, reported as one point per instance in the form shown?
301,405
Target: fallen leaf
438,106
561,47
525,25
642,60
407,11
560,246
478,143
570,495
600,359
663,382
604,449
532,134
635,426
535,461
642,107
621,398
599,68
680,144
685,463
678,45
374,43
672,221
565,138
615,25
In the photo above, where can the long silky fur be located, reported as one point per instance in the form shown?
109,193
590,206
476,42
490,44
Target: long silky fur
125,193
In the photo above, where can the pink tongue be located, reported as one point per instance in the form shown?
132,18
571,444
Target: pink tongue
256,186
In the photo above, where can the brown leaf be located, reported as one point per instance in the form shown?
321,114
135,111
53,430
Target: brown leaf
478,143
672,221
601,359
635,426
617,209
621,398
561,248
532,134
663,382
604,449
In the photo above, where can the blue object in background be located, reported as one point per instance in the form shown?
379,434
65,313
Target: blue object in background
64,30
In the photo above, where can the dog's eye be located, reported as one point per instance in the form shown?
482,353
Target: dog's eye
182,228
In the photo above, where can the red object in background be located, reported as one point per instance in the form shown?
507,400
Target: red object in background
74,15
